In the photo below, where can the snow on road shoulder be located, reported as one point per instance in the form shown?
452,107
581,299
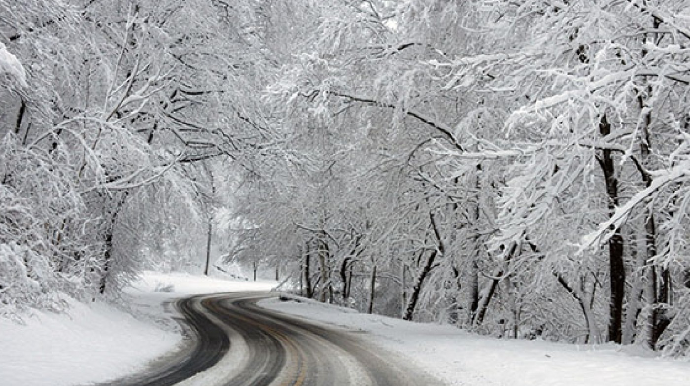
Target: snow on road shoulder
182,284
459,358
92,342
98,342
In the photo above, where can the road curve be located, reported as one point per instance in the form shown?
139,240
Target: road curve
240,343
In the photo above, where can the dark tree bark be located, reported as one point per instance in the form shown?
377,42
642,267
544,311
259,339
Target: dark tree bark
615,243
108,241
343,277
209,236
416,289
323,254
424,272
309,292
210,219
349,279
658,283
107,256
483,304
372,290
20,117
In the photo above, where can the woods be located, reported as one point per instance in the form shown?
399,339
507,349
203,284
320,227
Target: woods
107,113
519,169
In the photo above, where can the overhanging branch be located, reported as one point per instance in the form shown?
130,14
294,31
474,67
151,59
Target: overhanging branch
445,130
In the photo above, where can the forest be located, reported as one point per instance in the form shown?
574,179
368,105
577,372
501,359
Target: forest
516,169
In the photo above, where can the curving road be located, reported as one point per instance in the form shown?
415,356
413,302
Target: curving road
239,343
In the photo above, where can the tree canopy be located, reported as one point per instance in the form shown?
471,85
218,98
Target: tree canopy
519,169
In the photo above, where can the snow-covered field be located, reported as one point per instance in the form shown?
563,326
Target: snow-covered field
98,342
464,359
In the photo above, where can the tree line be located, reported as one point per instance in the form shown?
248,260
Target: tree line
518,169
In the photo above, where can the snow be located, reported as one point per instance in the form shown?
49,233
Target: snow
9,64
85,345
459,358
157,289
81,346
661,179
185,285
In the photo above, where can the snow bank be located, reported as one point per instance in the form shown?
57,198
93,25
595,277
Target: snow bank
82,346
459,358
97,342
182,284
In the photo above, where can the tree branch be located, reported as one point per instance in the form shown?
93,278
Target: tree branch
445,130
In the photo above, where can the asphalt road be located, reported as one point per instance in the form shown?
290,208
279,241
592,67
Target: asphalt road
239,343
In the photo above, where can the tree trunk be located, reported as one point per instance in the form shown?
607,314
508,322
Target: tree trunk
209,236
306,274
324,270
473,284
615,243
473,288
453,298
403,288
208,211
301,271
349,279
417,287
424,272
344,279
590,321
514,307
633,307
372,290
663,300
108,242
107,256
483,303
658,284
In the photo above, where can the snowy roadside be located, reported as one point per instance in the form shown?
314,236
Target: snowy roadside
97,342
459,358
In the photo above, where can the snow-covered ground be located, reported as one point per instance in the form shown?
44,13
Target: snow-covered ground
98,342
86,345
464,359
82,346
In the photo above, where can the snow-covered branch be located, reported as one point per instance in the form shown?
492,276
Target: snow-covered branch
678,173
